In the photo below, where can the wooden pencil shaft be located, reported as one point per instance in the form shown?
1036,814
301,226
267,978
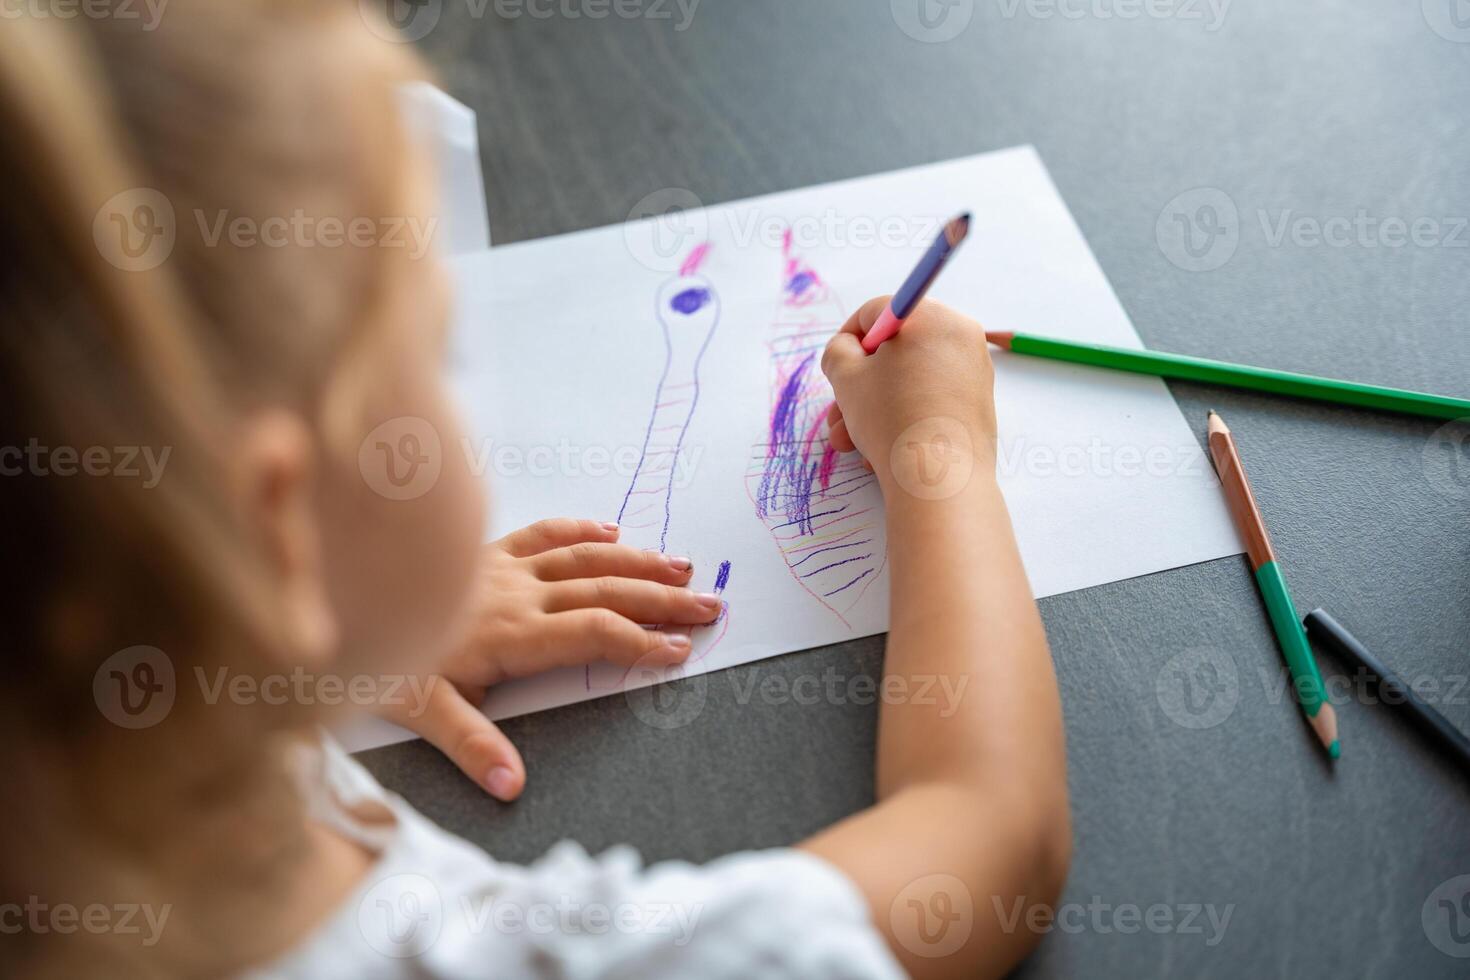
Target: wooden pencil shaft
1187,368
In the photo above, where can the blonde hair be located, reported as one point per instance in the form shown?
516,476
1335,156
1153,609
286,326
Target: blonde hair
248,108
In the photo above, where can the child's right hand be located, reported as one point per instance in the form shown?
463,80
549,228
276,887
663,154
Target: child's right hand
934,380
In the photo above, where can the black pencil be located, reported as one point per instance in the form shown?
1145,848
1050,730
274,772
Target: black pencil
1332,634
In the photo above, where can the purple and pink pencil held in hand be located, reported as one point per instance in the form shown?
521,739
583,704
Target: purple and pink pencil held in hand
912,292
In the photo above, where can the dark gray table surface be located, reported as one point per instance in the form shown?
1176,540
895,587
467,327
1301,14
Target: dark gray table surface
1304,108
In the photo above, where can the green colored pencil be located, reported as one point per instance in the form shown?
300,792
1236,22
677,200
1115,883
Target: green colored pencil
1189,368
1306,678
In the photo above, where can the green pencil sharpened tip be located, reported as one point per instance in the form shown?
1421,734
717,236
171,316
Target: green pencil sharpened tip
1335,750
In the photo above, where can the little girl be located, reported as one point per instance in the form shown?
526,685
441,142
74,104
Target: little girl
161,821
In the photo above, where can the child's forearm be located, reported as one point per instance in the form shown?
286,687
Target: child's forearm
971,771
965,625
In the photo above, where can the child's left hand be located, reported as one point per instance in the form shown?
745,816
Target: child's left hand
559,593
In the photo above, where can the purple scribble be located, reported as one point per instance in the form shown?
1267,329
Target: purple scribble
723,578
798,284
786,487
819,505
690,301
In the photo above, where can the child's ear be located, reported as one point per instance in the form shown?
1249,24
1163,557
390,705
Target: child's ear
278,471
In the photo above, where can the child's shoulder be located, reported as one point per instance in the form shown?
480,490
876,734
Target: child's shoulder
434,905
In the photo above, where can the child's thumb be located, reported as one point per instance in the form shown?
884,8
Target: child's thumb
457,728
845,349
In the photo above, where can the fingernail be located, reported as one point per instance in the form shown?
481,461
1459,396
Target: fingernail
680,564
709,600
502,783
678,642
609,526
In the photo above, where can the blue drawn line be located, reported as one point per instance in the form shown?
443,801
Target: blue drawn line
652,417
835,547
837,564
828,595
663,537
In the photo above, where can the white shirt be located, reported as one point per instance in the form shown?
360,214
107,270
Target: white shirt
435,906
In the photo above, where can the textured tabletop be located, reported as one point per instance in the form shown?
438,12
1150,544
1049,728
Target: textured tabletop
1317,155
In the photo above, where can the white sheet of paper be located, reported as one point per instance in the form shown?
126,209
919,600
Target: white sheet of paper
577,374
